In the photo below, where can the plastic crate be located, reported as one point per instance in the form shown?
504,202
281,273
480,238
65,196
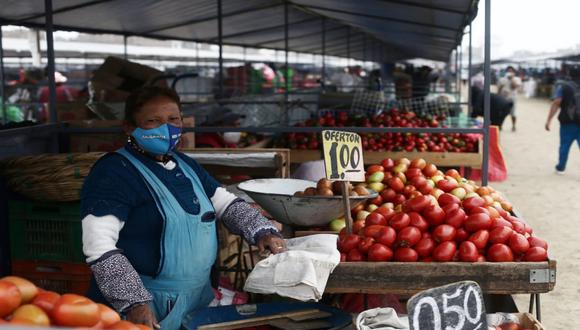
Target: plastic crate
45,231
62,277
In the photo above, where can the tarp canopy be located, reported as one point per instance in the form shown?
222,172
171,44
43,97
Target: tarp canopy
374,30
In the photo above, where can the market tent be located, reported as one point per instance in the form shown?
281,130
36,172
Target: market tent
378,30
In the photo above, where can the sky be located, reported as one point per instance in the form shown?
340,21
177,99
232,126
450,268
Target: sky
533,25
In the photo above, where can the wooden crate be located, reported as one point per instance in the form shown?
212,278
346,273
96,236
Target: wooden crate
526,320
409,278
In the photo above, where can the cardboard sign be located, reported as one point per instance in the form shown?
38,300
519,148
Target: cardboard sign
343,156
457,306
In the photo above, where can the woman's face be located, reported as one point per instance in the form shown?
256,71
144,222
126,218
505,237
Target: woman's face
158,111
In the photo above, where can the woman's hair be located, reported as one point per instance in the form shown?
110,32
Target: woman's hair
141,96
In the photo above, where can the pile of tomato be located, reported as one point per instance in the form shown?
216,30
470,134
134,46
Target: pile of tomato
24,304
423,214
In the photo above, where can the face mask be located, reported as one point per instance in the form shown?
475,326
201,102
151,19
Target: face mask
158,141
232,137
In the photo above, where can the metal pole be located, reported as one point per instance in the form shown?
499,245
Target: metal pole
469,75
125,53
348,46
221,55
364,50
2,80
323,72
286,72
486,95
50,60
460,71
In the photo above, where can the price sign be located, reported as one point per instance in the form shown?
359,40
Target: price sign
343,157
457,306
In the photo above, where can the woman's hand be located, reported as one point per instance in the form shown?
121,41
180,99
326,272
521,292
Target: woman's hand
142,314
273,243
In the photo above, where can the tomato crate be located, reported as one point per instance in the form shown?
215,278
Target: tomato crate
45,231
61,277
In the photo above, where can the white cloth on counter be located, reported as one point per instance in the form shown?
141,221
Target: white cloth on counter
301,272
381,319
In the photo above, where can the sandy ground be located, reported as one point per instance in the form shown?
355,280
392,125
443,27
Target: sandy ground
550,203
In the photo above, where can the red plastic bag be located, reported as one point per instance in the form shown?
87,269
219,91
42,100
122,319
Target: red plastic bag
497,170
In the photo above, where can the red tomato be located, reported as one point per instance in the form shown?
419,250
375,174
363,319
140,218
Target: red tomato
481,258
501,222
400,221
418,204
479,209
375,168
425,247
46,300
409,190
430,170
365,244
357,226
500,253
500,235
348,242
386,236
355,255
461,235
31,314
418,221
108,316
386,212
396,184
450,207
468,252
419,163
434,215
380,252
398,199
375,218
480,238
455,218
406,254
444,233
75,311
447,199
536,253
27,289
519,244
477,222
473,202
124,325
372,231
143,327
509,326
445,251
446,185
519,227
536,241
10,297
388,194
408,236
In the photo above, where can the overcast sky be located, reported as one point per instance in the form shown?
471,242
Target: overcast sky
534,25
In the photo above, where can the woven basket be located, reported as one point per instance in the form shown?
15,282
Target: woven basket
49,177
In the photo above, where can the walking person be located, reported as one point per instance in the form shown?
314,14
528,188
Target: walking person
508,87
566,101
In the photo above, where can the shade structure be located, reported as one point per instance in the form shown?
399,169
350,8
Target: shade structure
372,30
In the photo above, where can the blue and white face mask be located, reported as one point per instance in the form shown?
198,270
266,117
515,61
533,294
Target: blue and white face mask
158,141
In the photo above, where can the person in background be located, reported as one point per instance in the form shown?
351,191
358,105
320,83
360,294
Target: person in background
150,215
565,103
508,87
63,92
221,117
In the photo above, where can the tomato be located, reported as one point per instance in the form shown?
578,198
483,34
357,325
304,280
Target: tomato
480,238
10,297
506,206
365,244
400,221
46,300
357,226
447,185
519,244
450,207
380,252
418,204
348,242
473,202
468,252
501,222
27,289
108,316
481,258
445,251
429,170
453,173
536,253
408,236
31,314
386,236
419,163
500,253
408,191
536,241
519,227
447,199
386,212
425,247
455,218
396,184
123,325
461,235
388,194
500,235
342,257
444,233
434,215
143,327
510,326
479,209
406,254
355,255
375,218
375,168
418,221
477,222
388,164
75,311
413,173
492,212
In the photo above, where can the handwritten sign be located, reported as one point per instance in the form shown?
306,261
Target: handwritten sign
457,306
343,156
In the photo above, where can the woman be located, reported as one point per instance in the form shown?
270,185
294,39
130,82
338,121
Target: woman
149,219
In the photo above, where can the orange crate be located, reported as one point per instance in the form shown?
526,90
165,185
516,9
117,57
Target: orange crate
61,277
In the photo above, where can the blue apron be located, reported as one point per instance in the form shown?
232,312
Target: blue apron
188,249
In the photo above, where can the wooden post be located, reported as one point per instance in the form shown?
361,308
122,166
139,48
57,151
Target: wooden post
345,198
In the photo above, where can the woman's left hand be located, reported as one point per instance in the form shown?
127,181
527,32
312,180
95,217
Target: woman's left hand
273,243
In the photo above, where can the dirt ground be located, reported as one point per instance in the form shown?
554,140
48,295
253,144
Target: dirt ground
550,203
